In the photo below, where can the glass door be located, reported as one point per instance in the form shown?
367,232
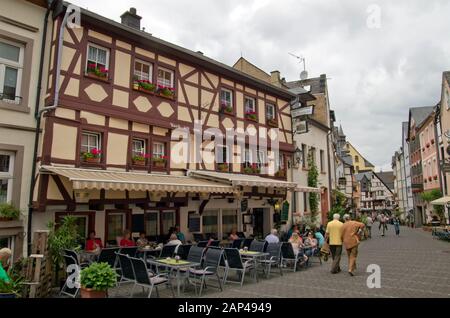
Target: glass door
115,225
210,222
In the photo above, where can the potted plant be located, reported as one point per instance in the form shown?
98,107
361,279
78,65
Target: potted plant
8,212
272,122
92,156
159,161
223,167
251,115
96,279
140,159
97,72
144,85
252,169
166,91
12,288
280,173
226,109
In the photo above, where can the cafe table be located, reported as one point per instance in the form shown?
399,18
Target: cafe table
148,250
175,265
255,256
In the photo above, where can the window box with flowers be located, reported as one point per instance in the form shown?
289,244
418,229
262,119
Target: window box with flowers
223,167
99,73
251,115
92,156
280,173
435,177
272,122
159,162
144,86
226,109
166,91
252,169
428,145
140,159
430,178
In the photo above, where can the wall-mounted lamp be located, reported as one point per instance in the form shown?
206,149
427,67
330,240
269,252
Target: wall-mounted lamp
298,157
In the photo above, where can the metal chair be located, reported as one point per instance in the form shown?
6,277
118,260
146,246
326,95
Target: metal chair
167,251
274,258
234,262
108,255
130,251
210,268
247,242
66,290
237,243
127,273
146,278
183,251
202,243
288,255
75,255
214,243
258,246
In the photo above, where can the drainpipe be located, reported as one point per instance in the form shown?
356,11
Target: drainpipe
329,170
436,142
39,113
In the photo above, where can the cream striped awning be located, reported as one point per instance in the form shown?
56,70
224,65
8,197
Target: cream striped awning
117,180
235,179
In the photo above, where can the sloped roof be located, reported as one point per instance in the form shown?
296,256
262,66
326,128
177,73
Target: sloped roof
387,177
447,76
419,114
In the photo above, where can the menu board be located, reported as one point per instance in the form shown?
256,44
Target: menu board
193,222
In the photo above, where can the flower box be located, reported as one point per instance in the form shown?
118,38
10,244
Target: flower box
223,167
272,122
435,177
167,92
92,160
159,164
428,145
139,162
226,110
144,86
430,178
251,117
280,174
253,169
96,77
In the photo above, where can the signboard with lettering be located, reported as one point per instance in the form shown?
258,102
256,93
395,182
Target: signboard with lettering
302,111
446,168
285,211
301,127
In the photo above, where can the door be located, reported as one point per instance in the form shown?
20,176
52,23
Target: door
210,223
258,223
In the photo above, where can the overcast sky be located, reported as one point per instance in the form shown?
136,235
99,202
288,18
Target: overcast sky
378,65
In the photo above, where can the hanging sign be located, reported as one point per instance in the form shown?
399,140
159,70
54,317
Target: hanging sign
285,211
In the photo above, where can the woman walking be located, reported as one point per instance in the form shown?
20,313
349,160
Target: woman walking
396,222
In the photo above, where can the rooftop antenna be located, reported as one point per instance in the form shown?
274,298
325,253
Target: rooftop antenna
304,73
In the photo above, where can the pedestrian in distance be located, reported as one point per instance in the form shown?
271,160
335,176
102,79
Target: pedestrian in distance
351,231
369,226
396,222
333,235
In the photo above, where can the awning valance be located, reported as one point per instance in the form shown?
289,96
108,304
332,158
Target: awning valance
441,201
241,179
307,189
117,180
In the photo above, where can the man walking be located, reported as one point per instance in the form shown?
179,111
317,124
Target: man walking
333,235
369,226
350,237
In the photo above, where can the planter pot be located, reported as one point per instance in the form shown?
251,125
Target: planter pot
159,164
92,160
7,295
139,162
251,119
95,76
272,123
5,219
90,293
143,90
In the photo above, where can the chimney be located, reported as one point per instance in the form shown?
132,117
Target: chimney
275,78
131,19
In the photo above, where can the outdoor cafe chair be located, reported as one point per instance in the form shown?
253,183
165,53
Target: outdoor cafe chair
66,289
215,243
288,255
130,251
247,242
202,243
108,255
146,278
274,257
234,262
167,251
183,251
258,246
237,243
75,255
210,268
127,273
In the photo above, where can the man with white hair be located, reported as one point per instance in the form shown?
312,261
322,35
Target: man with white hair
333,235
350,236
272,237
5,255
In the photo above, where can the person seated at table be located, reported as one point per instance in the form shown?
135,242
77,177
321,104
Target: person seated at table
273,237
233,235
179,234
93,244
142,240
297,245
319,236
5,255
294,229
126,239
311,244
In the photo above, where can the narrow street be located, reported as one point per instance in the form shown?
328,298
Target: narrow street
412,265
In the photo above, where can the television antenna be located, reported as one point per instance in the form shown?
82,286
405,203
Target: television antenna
304,73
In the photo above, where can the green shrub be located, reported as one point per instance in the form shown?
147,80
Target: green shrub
9,211
98,276
63,237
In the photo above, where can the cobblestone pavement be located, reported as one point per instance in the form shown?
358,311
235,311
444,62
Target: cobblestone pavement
412,265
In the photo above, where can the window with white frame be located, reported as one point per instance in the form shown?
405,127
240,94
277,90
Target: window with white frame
138,147
250,106
165,77
222,154
248,157
6,175
226,98
261,158
158,150
11,66
98,56
90,141
270,111
143,71
280,161
152,223
168,220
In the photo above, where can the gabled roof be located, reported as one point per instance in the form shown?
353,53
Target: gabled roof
447,77
387,177
366,162
419,114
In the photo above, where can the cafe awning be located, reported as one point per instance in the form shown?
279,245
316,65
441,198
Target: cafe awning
83,179
441,201
241,179
307,189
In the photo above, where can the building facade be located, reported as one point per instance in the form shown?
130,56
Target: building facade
21,32
359,162
122,148
375,195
